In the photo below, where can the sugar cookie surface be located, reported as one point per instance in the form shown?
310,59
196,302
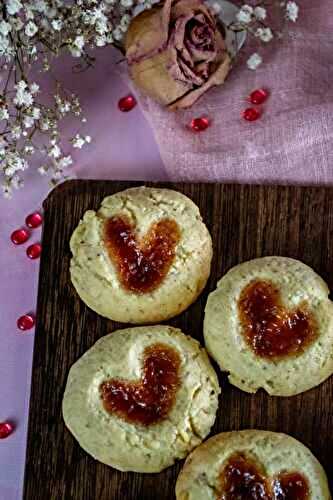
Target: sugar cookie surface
252,464
269,323
143,257
153,431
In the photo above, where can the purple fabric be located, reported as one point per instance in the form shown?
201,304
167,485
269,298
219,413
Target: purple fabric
293,140
122,148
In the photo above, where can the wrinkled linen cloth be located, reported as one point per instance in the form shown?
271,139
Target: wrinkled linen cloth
292,142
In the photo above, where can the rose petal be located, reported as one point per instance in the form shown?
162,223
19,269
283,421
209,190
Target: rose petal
216,78
191,8
191,76
153,78
148,33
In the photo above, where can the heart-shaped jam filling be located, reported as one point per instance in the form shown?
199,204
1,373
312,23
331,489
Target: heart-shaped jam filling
149,400
270,328
244,479
141,265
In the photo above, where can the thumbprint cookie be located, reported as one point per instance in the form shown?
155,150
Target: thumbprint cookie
269,324
143,257
252,465
141,398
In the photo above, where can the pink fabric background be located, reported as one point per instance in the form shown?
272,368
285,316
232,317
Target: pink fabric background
291,143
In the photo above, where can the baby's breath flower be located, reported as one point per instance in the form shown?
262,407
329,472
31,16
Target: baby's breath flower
34,88
4,28
78,141
31,29
13,7
57,24
245,14
292,11
4,115
260,13
54,151
254,61
23,97
36,31
265,34
43,169
65,162
28,121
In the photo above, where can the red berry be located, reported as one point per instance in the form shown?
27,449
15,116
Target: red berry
26,322
6,428
251,114
19,236
34,251
127,103
259,96
34,220
200,124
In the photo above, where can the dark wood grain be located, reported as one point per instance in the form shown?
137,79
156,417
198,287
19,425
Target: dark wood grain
245,222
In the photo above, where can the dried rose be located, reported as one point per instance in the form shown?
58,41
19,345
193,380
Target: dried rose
176,52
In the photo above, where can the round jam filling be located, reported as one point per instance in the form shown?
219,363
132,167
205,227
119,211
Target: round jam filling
244,479
141,265
268,327
149,400
291,486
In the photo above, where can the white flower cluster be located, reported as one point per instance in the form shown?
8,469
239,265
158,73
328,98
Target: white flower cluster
33,31
253,20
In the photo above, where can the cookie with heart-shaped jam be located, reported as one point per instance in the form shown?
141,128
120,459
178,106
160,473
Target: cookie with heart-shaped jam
143,257
141,398
269,323
252,465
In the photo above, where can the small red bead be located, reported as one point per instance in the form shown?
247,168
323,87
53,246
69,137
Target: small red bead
6,428
26,322
251,114
19,236
200,124
34,251
127,103
34,220
259,96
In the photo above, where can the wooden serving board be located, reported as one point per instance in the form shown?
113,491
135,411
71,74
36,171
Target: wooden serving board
245,222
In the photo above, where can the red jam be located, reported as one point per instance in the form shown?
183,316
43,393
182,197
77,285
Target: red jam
268,327
241,479
291,486
149,400
244,479
141,265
